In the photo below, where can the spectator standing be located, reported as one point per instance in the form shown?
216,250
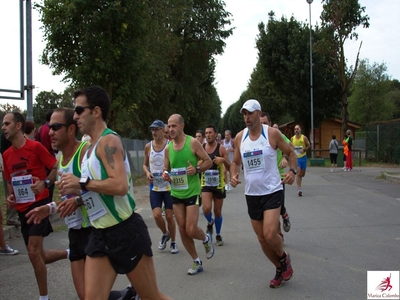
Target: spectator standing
333,153
348,144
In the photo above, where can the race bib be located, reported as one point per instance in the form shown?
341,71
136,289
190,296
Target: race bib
158,180
211,178
22,189
76,218
93,204
179,179
254,161
297,149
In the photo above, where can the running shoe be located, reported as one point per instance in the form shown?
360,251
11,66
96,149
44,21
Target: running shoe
286,223
209,247
286,265
196,268
8,251
276,282
174,248
210,226
164,239
299,193
219,240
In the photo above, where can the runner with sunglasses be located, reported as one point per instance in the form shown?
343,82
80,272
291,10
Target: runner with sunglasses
63,133
120,242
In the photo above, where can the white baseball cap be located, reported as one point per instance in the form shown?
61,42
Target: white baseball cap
251,105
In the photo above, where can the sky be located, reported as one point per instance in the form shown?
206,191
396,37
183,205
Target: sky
381,43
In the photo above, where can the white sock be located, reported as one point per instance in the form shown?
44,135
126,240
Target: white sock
67,253
44,297
206,240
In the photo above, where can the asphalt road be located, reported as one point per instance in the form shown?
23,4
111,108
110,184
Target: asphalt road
346,223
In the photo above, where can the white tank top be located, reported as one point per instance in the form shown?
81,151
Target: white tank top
259,164
156,164
226,145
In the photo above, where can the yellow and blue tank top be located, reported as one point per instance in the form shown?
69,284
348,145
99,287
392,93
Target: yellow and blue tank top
299,144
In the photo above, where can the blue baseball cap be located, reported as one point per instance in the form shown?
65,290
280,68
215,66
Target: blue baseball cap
157,124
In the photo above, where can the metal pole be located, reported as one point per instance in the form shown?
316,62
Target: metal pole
22,50
311,87
29,86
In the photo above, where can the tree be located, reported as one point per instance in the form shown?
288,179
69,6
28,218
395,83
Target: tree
98,42
7,108
340,19
262,89
369,100
394,96
146,54
284,65
232,119
46,101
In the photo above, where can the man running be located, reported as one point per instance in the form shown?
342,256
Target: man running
63,133
120,242
181,158
229,144
25,164
282,164
256,147
160,190
213,183
301,145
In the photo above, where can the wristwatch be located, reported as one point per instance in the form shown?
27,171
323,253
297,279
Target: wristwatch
198,169
83,182
293,170
47,183
78,200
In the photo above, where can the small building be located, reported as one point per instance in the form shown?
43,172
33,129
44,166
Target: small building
322,134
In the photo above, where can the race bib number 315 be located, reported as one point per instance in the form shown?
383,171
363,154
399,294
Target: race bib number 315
179,179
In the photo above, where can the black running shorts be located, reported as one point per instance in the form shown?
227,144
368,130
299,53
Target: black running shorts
44,228
78,239
256,205
124,244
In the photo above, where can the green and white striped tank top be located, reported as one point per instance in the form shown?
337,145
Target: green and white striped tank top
118,208
74,167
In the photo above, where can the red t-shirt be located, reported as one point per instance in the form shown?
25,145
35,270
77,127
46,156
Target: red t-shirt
31,159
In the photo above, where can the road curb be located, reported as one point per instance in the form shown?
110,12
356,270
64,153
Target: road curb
391,177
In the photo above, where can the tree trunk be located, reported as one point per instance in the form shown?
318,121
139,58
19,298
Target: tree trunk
345,114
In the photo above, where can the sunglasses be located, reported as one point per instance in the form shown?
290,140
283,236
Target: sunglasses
155,129
57,126
80,109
